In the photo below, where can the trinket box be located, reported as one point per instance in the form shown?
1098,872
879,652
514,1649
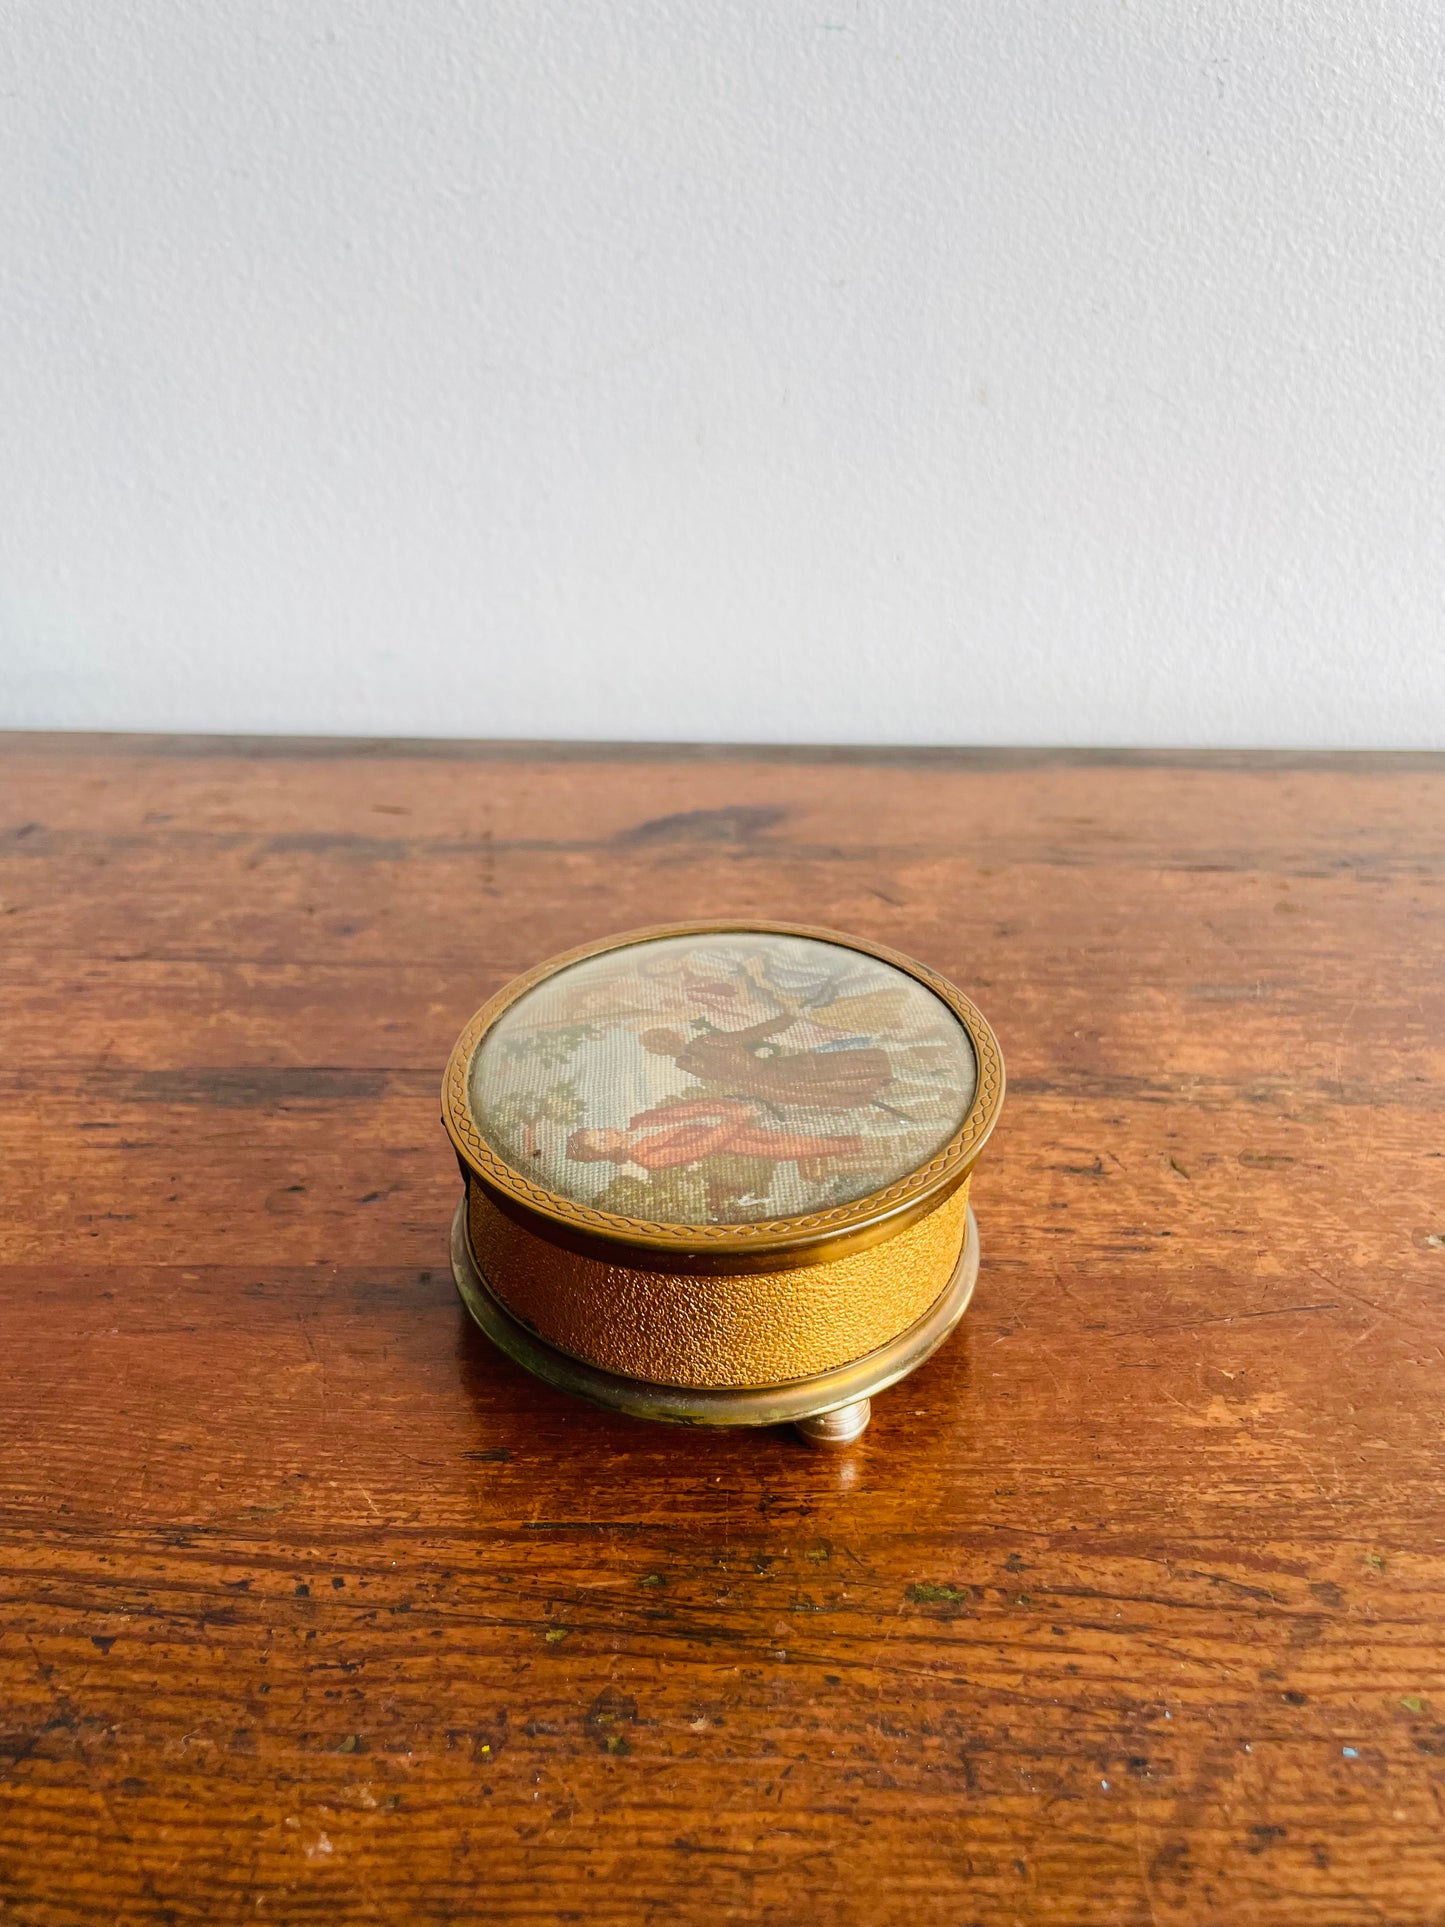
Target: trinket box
718,1173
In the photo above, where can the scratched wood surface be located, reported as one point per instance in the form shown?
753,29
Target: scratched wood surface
313,1609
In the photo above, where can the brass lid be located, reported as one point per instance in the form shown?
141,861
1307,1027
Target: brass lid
723,1096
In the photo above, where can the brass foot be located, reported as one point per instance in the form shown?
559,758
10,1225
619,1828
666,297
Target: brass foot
838,1427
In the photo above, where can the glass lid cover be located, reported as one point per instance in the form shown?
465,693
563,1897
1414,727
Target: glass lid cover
722,1078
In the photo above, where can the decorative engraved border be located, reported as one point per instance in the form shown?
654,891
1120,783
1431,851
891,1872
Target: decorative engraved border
936,1178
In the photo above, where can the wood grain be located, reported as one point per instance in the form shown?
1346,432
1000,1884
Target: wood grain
313,1609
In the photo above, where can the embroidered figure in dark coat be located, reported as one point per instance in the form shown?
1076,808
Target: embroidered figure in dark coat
746,1062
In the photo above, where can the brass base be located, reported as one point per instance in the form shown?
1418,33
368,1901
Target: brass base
806,1399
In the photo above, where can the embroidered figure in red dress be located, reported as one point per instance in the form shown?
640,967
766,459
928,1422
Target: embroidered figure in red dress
701,1127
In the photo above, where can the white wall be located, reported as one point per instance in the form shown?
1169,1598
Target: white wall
766,369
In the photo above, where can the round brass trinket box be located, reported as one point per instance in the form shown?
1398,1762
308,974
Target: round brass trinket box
718,1173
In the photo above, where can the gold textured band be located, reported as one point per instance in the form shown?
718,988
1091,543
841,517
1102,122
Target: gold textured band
711,1330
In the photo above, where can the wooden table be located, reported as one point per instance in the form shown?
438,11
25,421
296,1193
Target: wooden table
1127,1610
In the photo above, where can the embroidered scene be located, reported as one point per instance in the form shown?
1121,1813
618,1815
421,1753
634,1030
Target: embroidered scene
722,1079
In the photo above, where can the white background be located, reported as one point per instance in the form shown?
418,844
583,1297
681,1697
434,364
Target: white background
756,370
